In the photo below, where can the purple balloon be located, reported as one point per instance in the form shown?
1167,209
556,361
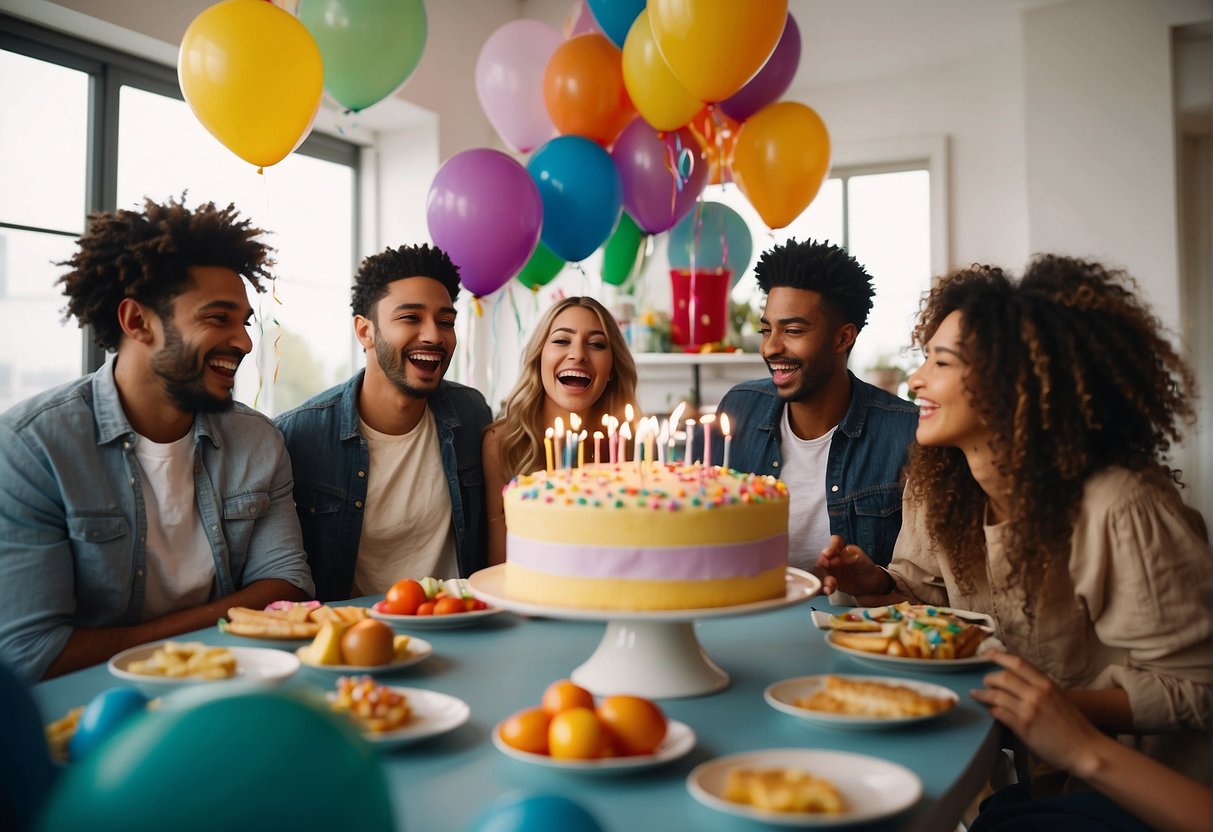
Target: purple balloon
771,81
663,174
484,210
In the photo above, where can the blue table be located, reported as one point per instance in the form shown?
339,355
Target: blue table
504,664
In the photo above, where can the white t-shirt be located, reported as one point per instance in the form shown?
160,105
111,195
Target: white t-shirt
180,563
406,528
804,473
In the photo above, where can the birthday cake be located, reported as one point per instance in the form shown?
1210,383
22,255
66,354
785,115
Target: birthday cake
645,537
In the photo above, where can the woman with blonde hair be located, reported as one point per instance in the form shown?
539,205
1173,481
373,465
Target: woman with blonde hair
576,362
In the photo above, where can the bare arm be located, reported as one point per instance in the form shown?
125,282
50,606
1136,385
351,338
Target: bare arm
494,481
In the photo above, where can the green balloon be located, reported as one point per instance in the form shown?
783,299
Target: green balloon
621,254
541,268
240,760
369,47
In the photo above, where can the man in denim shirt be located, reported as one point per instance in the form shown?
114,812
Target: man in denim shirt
141,501
839,443
367,453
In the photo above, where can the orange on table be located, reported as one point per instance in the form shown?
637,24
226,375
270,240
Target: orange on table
564,694
404,597
577,734
527,730
635,725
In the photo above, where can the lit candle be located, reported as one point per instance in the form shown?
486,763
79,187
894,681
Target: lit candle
559,439
547,448
686,454
613,440
675,416
662,438
706,420
597,447
650,438
581,450
575,422
728,439
625,433
570,441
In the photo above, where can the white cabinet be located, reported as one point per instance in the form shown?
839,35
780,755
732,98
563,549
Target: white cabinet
666,378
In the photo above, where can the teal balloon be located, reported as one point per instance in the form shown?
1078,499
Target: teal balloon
714,235
238,760
536,813
541,268
582,195
369,47
26,770
622,251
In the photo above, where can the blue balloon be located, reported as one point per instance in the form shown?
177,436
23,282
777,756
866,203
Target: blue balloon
582,195
712,235
104,715
26,770
615,17
535,813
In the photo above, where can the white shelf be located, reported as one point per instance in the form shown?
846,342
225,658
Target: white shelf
700,377
688,359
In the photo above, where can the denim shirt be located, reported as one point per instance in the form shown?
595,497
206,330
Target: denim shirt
863,471
73,524
331,459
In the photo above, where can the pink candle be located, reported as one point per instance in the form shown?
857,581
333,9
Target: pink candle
706,420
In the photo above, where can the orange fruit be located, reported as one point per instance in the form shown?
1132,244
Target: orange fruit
576,734
634,724
403,597
527,731
563,694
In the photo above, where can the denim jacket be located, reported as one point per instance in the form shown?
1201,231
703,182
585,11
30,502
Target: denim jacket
867,454
331,459
73,524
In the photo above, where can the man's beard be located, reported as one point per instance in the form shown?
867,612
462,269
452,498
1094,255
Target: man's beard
814,375
183,375
393,365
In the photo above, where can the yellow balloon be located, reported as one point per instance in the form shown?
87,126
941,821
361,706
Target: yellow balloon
659,98
253,76
781,158
715,46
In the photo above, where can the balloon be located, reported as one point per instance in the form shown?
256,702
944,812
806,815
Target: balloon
781,158
771,81
104,714
579,21
656,93
485,212
535,813
711,237
541,268
717,133
583,89
370,47
253,76
615,17
715,46
28,772
662,174
581,194
509,82
238,760
622,251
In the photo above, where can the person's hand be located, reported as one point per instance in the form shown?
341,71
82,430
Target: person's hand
846,568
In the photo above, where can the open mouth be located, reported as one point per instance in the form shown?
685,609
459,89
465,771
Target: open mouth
426,361
574,379
926,409
225,367
781,371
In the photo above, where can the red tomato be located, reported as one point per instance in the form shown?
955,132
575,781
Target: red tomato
404,597
426,609
446,606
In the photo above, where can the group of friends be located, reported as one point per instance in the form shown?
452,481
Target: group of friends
1027,479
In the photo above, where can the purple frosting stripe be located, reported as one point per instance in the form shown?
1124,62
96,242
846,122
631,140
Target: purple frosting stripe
669,563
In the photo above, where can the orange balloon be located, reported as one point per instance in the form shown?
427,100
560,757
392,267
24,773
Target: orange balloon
781,158
717,135
583,89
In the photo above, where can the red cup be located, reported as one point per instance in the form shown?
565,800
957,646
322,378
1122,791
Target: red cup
704,296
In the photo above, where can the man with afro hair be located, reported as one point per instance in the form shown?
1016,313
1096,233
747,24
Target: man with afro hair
838,442
371,455
141,501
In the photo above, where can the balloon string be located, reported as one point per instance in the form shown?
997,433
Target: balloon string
495,369
476,305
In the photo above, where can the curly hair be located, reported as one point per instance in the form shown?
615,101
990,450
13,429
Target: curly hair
378,271
520,448
147,256
844,285
1072,374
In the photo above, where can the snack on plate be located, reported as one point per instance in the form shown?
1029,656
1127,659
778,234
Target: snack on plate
859,697
782,790
288,619
375,708
60,732
181,659
364,643
917,631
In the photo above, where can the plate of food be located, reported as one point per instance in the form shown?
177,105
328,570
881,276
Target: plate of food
805,787
390,716
406,654
860,702
921,636
433,621
679,740
164,666
297,621
872,653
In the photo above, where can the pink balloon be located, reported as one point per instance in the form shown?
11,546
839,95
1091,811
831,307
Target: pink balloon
509,82
771,81
663,174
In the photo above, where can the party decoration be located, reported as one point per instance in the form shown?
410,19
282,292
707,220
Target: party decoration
579,21
24,758
715,46
657,95
771,81
232,761
370,47
104,714
701,306
253,76
662,174
485,212
509,82
615,17
711,237
541,268
581,194
781,158
535,813
717,133
583,89
622,252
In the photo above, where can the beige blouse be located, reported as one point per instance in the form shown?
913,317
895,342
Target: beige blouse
1132,612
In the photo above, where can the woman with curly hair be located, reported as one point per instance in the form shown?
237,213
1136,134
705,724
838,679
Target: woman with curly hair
576,362
1037,492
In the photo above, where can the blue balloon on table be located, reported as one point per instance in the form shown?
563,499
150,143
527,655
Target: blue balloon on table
105,713
26,770
714,236
535,813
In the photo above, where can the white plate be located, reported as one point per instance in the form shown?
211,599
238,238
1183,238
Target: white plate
418,650
435,622
433,713
871,788
782,695
679,740
254,665
884,661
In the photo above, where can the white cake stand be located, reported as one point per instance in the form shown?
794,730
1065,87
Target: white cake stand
654,654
